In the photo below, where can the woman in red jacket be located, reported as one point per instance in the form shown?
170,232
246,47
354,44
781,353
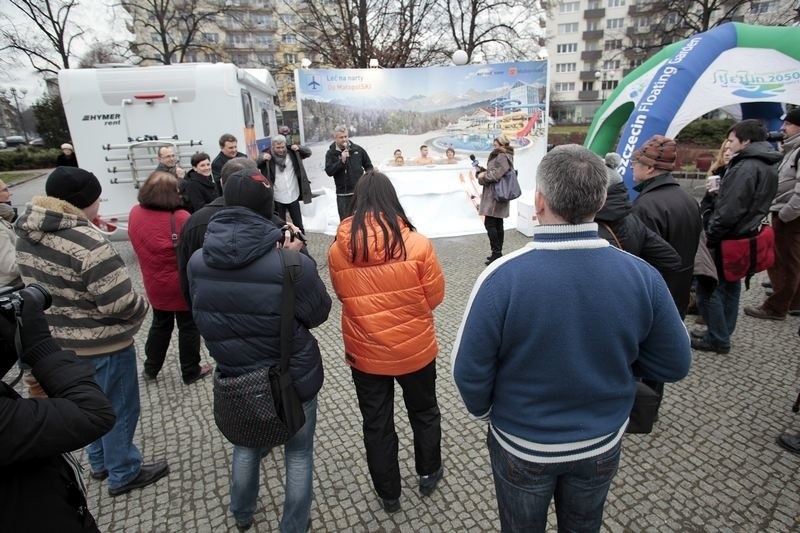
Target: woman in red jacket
389,281
153,227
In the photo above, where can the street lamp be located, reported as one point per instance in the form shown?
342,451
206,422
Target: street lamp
17,94
602,78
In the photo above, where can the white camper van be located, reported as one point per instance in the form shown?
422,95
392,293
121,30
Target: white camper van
118,117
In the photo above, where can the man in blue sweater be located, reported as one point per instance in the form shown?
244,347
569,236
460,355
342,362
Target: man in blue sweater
552,341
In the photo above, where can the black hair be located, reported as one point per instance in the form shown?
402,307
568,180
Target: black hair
198,157
752,130
376,198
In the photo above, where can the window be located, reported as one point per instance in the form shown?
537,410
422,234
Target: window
211,57
591,46
612,44
635,63
288,19
588,86
610,85
567,48
611,64
289,38
594,4
259,19
211,37
289,59
570,27
640,42
155,37
564,86
615,24
565,67
616,3
237,38
641,22
263,39
592,25
569,7
266,59
758,8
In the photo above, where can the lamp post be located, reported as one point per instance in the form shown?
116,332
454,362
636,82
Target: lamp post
17,94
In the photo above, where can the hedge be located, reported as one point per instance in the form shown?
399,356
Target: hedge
24,158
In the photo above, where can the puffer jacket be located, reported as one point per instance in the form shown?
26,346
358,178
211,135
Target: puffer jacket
500,162
745,194
617,223
95,309
150,232
387,306
236,282
787,200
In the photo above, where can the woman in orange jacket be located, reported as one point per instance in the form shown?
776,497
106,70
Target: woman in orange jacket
389,281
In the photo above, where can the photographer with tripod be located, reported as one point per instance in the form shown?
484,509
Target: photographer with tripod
41,486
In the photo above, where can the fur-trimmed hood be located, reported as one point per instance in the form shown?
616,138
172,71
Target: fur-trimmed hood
46,214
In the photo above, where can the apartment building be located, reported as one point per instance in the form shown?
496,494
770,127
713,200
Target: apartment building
593,44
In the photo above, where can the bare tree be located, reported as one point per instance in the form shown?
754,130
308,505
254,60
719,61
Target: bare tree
348,33
168,30
44,34
103,52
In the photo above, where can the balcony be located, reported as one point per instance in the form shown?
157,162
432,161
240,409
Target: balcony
588,95
591,14
591,55
633,31
586,75
636,10
592,35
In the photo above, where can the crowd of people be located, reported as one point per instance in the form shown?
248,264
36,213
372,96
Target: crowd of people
210,244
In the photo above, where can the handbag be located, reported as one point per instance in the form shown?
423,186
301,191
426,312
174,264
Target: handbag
507,188
261,409
741,258
644,411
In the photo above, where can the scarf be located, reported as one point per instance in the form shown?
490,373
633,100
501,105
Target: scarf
280,160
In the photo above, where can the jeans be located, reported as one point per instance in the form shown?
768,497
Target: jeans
294,213
494,228
116,374
720,310
159,336
376,402
344,203
524,490
299,464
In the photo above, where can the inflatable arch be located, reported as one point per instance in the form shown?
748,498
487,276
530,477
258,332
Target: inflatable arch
756,68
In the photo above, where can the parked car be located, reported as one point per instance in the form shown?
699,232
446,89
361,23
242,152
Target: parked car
2,144
38,142
12,141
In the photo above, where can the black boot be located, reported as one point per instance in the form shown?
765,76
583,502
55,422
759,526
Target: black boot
492,258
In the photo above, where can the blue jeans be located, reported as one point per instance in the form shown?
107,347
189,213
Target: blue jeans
524,490
117,376
720,310
299,457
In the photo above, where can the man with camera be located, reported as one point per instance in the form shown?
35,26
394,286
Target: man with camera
41,488
785,209
96,312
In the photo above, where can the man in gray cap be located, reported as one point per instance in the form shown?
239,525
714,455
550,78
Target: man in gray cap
95,311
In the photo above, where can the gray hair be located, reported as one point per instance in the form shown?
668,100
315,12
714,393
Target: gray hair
235,165
573,181
340,129
279,139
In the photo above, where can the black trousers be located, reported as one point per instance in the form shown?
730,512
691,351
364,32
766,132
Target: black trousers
294,212
345,206
376,401
494,227
155,348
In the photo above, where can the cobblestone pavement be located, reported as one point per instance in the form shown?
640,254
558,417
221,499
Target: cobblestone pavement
711,464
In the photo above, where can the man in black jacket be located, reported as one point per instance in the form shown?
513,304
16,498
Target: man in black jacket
346,162
283,167
745,194
668,210
41,488
228,149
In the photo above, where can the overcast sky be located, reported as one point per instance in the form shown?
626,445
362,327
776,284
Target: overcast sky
100,23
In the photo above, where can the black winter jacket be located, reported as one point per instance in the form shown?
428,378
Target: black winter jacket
346,175
745,194
633,235
669,211
39,490
198,190
236,282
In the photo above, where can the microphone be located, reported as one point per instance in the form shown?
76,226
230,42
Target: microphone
474,161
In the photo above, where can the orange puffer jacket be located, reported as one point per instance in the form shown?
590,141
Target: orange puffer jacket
387,315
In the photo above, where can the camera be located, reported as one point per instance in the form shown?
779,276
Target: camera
775,136
12,302
293,234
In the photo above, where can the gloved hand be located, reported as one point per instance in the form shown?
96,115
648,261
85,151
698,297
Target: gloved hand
34,331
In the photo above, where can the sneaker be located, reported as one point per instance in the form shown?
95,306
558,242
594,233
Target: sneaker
391,506
705,346
700,321
760,312
789,442
205,370
427,484
99,476
147,474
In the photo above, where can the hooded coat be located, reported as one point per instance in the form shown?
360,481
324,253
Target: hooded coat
236,282
500,161
387,306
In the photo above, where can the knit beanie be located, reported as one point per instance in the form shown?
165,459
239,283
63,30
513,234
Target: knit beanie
74,185
248,188
658,152
792,117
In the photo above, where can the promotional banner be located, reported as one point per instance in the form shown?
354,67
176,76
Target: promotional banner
458,109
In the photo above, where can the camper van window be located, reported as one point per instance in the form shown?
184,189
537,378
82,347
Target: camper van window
265,122
247,109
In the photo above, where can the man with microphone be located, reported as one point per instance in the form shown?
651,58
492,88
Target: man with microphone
346,162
